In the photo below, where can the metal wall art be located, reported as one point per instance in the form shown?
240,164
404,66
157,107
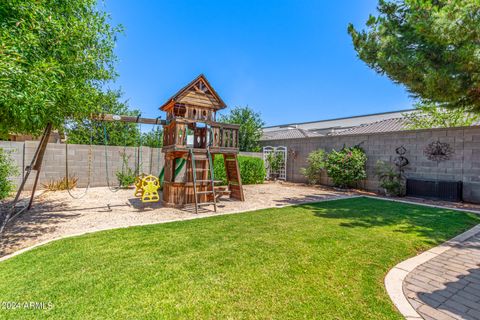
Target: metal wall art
438,151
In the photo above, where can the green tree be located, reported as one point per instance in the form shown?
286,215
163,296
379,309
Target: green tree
251,125
55,56
430,46
118,133
153,138
430,116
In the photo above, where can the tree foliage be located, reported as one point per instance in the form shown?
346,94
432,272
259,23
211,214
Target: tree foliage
430,116
153,138
118,133
430,46
251,125
55,56
7,170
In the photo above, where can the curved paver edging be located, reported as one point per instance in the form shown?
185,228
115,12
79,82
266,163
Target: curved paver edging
396,276
16,253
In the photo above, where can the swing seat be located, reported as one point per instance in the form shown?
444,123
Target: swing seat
150,185
139,185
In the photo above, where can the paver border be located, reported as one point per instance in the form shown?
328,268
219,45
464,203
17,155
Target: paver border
395,277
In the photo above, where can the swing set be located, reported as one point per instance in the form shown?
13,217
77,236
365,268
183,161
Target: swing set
191,140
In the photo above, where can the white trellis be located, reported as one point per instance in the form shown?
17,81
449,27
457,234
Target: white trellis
281,151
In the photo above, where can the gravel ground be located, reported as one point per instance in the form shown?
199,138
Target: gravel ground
57,215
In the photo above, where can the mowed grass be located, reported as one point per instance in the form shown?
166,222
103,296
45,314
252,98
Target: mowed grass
318,261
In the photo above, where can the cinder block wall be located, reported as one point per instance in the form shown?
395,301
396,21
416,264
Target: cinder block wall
464,164
53,166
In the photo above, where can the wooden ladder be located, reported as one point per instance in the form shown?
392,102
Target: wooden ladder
210,180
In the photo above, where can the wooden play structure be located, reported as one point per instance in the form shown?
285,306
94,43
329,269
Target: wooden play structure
191,134
191,140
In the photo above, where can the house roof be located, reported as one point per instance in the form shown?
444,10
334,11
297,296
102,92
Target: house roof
388,125
340,123
200,78
287,134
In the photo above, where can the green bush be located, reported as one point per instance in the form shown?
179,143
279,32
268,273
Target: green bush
7,170
252,169
316,162
347,166
390,179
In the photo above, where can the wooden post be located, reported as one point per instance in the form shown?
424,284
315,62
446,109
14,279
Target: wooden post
38,161
35,164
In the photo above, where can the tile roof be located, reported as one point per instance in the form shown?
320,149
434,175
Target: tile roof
287,134
388,125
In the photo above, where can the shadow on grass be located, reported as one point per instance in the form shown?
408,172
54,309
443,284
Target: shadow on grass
432,223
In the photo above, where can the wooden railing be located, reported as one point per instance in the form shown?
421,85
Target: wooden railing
225,136
221,135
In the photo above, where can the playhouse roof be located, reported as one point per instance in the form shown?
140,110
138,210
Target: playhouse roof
199,93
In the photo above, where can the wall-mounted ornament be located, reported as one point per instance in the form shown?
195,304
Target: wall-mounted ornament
438,151
401,161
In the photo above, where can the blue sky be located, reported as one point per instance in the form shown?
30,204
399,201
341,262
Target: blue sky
291,60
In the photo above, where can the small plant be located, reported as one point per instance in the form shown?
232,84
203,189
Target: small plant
274,163
390,180
126,177
347,166
61,184
7,170
316,163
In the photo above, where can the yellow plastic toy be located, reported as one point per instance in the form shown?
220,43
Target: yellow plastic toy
138,185
150,185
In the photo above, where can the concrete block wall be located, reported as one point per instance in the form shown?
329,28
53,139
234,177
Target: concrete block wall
464,165
53,166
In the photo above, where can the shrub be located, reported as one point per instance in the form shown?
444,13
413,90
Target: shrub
61,184
127,176
252,169
347,166
390,179
7,170
316,163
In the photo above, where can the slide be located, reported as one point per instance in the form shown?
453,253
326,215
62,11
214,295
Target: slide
179,163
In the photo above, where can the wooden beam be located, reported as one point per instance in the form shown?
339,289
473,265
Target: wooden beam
128,119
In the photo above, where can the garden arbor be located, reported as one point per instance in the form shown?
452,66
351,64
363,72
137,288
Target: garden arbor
279,156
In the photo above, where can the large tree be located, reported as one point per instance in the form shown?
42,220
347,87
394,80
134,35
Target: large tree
251,125
430,46
83,130
55,56
431,116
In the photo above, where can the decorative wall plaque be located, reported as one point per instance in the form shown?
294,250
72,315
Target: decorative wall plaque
438,151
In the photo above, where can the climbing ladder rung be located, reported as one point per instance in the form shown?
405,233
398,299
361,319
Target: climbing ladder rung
205,192
193,170
206,204
215,181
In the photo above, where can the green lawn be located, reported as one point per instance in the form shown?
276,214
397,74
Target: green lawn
323,261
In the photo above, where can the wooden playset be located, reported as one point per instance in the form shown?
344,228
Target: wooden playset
191,140
191,134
